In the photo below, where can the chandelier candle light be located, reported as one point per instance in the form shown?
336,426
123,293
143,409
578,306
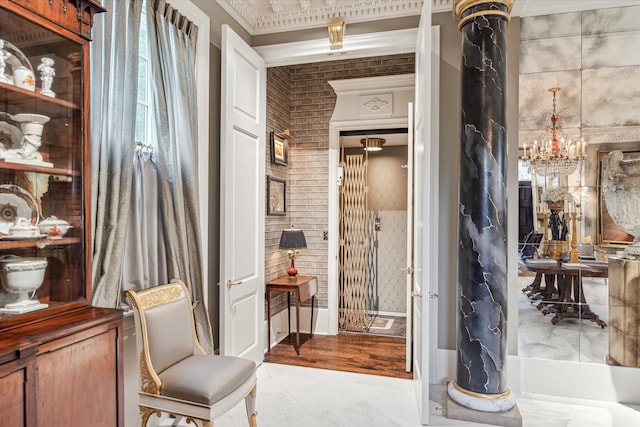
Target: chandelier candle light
557,156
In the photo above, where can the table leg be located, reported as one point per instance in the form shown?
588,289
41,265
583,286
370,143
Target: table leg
577,307
297,323
289,313
268,321
313,298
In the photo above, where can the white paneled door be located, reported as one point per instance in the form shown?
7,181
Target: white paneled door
410,262
242,187
424,205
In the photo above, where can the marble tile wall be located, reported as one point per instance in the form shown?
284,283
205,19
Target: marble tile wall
593,57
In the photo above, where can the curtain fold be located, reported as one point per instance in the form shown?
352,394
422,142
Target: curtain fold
114,85
172,67
145,255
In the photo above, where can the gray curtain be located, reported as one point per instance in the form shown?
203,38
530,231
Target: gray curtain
172,41
114,67
144,199
145,256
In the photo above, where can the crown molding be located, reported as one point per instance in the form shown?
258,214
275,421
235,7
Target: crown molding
258,17
358,46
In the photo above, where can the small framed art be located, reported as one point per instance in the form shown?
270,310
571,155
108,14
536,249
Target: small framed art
276,196
279,149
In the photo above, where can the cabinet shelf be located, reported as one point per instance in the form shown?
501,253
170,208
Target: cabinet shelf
26,101
39,169
38,243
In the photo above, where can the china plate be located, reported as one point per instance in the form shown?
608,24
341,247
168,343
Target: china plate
39,236
16,202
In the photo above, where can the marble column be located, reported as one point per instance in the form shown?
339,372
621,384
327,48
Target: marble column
482,218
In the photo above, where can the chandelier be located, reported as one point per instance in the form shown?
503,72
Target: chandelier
557,155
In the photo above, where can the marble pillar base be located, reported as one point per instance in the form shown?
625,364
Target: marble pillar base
479,402
509,418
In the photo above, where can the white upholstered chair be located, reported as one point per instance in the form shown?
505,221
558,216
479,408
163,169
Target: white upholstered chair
176,375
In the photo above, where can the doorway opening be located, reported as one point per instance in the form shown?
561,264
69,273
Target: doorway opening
373,232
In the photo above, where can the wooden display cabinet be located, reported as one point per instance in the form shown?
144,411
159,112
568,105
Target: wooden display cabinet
60,360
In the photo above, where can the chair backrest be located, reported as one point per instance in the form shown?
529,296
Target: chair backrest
530,245
166,330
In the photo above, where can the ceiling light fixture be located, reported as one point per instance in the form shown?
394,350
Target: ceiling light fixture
372,144
554,155
336,33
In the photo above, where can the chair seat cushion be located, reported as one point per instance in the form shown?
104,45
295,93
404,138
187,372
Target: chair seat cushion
206,378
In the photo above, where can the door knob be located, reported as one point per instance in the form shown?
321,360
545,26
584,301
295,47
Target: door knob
408,270
231,283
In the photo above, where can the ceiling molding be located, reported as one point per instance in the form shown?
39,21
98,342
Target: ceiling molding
260,17
358,46
273,16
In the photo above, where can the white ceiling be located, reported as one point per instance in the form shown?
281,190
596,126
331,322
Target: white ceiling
273,16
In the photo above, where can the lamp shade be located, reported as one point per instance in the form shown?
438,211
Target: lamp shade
292,238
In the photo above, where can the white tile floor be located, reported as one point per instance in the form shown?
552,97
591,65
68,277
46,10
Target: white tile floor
296,396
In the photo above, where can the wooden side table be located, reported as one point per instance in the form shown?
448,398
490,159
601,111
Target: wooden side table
302,287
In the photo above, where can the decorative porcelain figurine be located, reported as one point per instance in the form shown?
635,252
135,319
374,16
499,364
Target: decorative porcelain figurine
46,75
3,63
32,126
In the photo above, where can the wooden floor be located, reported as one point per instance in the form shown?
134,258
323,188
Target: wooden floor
351,352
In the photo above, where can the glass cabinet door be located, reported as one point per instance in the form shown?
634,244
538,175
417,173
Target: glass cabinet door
43,258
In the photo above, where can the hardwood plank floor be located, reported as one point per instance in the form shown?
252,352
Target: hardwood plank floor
351,352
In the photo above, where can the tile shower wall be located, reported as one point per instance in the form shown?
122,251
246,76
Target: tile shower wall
311,101
593,57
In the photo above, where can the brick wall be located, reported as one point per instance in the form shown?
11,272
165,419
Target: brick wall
311,101
278,119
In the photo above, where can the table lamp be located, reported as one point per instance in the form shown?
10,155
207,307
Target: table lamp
293,240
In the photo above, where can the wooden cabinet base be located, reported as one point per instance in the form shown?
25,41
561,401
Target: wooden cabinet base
54,372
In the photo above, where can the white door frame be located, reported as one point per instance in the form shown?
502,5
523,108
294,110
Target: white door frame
333,224
348,116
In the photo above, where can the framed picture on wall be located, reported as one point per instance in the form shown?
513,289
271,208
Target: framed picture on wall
279,149
609,231
276,196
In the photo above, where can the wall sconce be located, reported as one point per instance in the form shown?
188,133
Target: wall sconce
293,240
336,33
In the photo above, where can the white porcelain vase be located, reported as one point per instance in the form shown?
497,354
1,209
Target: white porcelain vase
22,276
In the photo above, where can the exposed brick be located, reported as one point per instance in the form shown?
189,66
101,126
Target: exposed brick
303,101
